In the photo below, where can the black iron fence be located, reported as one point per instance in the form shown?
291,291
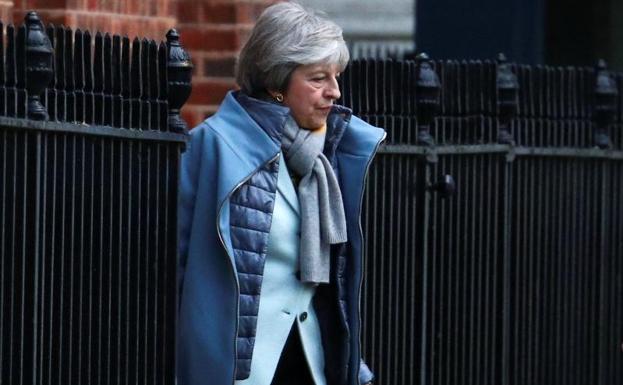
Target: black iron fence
90,138
494,222
493,219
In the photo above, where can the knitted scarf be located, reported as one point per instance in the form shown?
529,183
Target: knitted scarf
323,221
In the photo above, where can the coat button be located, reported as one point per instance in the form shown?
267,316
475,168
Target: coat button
298,275
303,316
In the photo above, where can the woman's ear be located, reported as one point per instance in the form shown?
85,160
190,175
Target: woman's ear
276,95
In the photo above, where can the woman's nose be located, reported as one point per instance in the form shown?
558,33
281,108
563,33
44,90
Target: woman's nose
332,91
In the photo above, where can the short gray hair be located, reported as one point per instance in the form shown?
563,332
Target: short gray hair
286,36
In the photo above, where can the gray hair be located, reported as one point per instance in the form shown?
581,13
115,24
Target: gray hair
286,36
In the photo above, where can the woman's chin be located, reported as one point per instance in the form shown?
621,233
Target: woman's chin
312,124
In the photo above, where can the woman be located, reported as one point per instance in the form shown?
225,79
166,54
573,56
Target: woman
270,240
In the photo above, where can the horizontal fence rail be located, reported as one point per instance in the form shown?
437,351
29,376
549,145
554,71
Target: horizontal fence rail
493,222
90,140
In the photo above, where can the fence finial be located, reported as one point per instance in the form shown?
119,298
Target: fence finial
604,106
39,70
507,88
427,88
179,73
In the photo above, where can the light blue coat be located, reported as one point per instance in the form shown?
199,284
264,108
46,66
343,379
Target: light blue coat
223,152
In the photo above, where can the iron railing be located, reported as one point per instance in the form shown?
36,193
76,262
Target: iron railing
90,139
494,222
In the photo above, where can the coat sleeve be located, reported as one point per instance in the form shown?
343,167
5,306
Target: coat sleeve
189,170
365,374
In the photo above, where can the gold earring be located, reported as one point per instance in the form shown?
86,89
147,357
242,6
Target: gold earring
279,97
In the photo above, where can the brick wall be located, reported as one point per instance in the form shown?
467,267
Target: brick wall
6,11
148,18
211,30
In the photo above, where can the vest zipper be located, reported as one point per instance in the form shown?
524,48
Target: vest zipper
365,178
233,271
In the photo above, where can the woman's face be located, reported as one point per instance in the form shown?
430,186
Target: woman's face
311,92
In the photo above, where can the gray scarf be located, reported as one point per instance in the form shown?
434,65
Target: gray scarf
323,221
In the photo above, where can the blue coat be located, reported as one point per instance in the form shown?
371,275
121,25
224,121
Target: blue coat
216,297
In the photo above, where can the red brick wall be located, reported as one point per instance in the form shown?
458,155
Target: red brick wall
148,18
211,30
6,11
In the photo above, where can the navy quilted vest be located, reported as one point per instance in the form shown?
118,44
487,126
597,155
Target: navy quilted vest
251,213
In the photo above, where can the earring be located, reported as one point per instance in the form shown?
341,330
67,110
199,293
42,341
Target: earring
279,97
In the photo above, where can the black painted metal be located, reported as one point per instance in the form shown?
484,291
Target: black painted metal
427,96
507,87
494,250
606,94
38,65
88,197
179,72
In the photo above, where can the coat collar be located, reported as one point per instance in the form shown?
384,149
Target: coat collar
253,129
271,117
248,139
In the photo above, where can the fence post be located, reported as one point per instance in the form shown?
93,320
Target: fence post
507,90
427,88
39,56
179,73
604,105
